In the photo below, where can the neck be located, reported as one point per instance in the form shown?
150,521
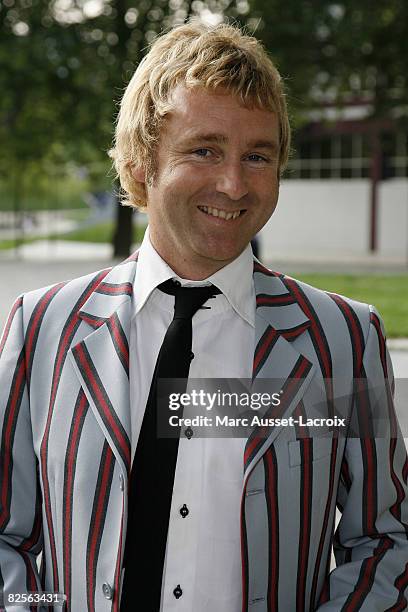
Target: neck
198,269
193,270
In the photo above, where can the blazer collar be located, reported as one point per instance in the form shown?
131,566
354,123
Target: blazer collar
275,303
114,290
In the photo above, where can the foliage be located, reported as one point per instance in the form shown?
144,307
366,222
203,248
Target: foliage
64,65
336,50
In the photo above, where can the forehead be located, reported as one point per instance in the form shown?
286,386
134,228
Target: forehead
201,108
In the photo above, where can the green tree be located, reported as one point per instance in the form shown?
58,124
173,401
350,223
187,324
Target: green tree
334,50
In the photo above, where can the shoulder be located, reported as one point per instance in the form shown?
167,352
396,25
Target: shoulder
62,296
324,309
69,296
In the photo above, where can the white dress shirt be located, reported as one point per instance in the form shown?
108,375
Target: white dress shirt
203,553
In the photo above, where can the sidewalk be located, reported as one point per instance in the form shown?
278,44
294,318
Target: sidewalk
369,263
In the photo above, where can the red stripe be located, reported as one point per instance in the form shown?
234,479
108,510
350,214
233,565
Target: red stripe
325,592
349,316
98,523
405,471
304,535
289,334
346,474
31,581
270,337
250,448
318,335
60,360
68,489
273,529
119,340
101,400
92,321
17,304
325,522
38,314
396,507
124,288
260,268
381,342
369,478
400,583
363,584
7,442
265,300
118,568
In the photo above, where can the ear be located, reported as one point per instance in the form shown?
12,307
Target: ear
138,173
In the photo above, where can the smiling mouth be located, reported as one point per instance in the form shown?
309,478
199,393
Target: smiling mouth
222,214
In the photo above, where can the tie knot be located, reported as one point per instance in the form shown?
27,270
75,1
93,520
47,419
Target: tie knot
188,299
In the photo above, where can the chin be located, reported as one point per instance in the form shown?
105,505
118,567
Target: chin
223,255
219,252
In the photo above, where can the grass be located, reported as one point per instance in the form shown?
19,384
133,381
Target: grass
100,233
11,243
60,200
389,294
80,214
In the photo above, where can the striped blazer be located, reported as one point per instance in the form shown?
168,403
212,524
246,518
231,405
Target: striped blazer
65,451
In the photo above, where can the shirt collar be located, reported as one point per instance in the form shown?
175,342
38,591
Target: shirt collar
235,280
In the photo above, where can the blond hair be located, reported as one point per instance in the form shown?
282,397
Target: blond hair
195,55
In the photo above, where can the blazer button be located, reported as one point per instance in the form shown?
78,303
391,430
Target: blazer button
188,433
184,511
177,592
107,590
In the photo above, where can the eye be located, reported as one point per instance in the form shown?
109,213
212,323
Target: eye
258,157
202,152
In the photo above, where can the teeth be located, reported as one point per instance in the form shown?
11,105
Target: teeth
215,212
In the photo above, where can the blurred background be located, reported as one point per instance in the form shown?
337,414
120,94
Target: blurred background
342,219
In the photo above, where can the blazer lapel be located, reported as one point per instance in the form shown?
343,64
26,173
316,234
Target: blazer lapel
101,359
279,320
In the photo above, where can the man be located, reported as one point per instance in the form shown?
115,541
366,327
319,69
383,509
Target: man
248,524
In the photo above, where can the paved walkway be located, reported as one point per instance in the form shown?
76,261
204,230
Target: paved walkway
350,263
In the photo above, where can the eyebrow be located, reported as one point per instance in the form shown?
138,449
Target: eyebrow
221,139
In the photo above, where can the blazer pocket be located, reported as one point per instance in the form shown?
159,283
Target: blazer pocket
319,448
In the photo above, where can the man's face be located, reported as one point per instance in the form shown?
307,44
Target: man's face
216,183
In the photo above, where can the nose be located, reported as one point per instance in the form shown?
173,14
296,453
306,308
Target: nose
231,181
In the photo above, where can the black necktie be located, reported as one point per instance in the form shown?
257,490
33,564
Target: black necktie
154,464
